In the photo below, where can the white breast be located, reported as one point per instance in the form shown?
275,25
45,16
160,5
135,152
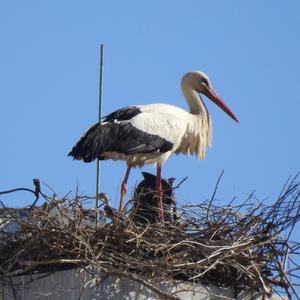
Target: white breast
197,136
189,133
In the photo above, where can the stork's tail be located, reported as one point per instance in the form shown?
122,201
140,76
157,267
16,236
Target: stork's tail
88,147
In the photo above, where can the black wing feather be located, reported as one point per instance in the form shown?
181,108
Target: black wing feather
123,114
120,137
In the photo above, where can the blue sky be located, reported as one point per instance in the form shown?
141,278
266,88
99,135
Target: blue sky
49,58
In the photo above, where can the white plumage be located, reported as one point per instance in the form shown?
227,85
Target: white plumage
174,125
150,134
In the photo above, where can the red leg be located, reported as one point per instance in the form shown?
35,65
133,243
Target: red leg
124,188
159,193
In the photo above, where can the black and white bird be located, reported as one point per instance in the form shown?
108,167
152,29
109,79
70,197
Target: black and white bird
144,209
150,134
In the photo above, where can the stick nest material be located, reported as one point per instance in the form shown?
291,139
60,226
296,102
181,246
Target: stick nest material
246,247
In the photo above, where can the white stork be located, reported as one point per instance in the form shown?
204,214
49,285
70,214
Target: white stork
150,134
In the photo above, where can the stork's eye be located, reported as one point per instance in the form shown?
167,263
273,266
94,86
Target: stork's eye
205,81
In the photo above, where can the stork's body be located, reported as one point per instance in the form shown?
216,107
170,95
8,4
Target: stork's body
150,134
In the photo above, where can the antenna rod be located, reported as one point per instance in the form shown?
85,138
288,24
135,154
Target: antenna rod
99,120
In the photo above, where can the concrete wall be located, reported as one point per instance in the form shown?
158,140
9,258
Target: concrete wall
65,285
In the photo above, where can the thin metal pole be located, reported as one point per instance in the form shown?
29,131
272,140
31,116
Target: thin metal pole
99,120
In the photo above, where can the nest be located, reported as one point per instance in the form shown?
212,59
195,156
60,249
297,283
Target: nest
245,247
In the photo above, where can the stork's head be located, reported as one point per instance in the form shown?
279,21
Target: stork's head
199,82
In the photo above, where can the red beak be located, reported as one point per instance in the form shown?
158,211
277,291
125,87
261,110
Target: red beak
212,95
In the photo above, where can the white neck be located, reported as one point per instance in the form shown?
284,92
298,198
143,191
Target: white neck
193,99
201,128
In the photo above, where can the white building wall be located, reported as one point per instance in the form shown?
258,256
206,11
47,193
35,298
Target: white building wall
68,285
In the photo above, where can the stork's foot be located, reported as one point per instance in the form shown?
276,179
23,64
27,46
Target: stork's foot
123,193
124,189
159,193
160,206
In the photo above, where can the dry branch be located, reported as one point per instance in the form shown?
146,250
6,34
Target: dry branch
246,247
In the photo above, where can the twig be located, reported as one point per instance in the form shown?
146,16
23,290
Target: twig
214,194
